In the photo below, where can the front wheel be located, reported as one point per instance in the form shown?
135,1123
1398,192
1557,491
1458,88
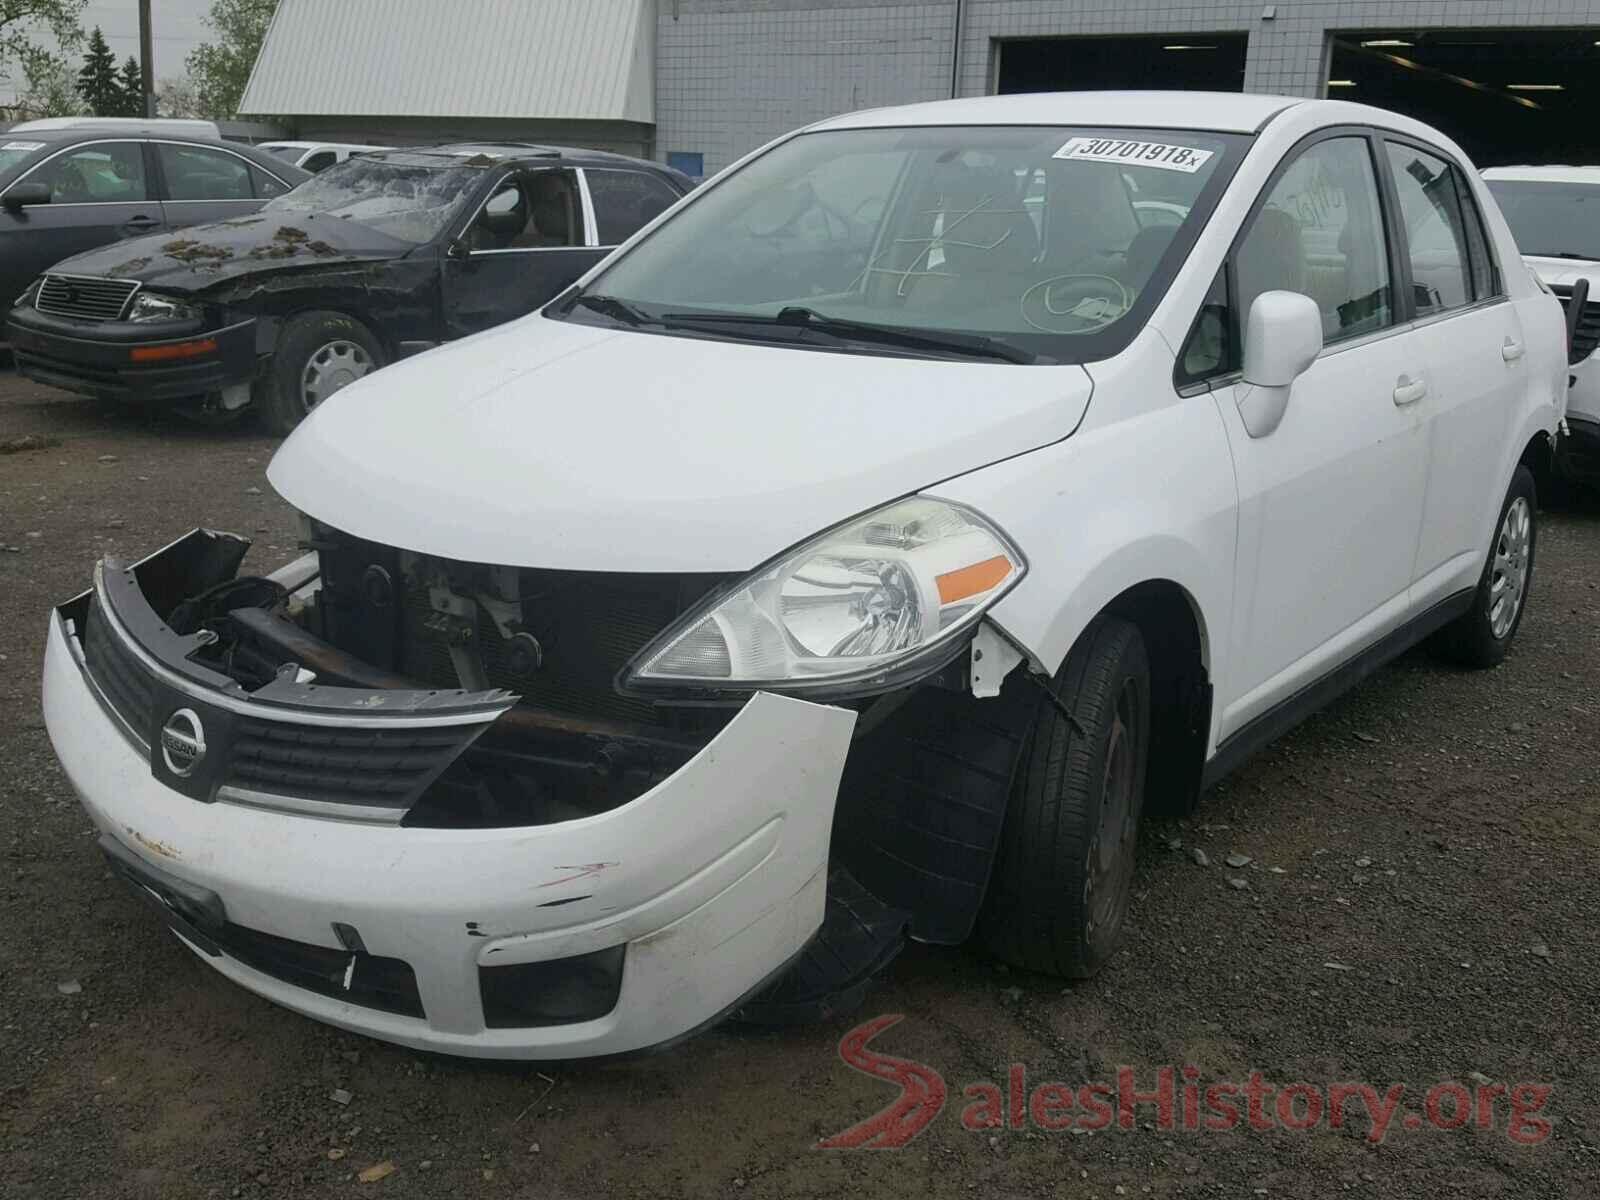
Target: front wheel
1061,887
318,353
1481,636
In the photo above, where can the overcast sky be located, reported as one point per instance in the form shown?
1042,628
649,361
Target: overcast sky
178,27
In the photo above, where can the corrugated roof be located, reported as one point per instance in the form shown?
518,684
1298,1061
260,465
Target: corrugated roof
545,59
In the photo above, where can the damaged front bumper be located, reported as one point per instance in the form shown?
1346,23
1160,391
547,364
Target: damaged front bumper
133,362
603,934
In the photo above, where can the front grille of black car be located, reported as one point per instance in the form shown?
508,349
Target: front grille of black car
84,298
589,625
380,767
387,984
1587,335
120,676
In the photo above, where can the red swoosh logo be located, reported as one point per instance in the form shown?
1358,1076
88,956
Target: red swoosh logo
922,1092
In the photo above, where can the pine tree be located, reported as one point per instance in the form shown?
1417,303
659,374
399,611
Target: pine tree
130,83
97,78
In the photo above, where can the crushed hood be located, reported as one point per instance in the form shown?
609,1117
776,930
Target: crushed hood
554,444
201,257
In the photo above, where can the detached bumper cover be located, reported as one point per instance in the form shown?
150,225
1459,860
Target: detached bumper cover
709,883
98,359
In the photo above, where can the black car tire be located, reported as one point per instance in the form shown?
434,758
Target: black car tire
1475,639
284,404
1061,889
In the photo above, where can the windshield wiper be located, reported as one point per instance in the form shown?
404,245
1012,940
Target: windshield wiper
798,317
614,307
1561,254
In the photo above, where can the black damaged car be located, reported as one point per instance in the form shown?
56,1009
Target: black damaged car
376,258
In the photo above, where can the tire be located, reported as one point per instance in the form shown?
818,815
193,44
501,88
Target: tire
1061,887
340,348
1481,636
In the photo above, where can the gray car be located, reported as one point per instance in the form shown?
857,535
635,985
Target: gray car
66,191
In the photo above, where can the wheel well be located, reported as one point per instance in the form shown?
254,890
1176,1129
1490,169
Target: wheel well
1180,691
1538,456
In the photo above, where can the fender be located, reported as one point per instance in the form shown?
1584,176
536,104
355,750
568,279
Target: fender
1154,499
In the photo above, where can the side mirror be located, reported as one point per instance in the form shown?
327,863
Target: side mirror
458,248
22,194
1283,336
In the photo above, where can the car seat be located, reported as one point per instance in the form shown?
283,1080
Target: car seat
1271,258
550,198
970,238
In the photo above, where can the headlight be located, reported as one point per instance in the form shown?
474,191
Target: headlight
26,299
149,307
862,602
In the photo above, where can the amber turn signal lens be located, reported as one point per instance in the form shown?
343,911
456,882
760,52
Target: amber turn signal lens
173,350
973,580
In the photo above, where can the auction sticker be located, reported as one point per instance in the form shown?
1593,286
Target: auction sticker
1164,155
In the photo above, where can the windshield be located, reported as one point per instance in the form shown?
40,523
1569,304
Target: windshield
406,200
1551,220
1049,241
288,152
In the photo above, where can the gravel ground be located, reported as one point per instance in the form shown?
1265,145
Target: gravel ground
1417,908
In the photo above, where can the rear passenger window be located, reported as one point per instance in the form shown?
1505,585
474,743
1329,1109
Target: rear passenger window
199,173
1320,233
625,200
1431,206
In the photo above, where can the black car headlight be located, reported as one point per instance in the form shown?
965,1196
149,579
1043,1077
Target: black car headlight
148,306
28,293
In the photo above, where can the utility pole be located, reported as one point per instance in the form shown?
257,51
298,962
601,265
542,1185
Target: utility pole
147,60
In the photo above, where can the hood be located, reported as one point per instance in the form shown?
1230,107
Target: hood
1564,272
552,444
202,256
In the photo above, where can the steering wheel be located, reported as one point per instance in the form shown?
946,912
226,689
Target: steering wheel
1095,300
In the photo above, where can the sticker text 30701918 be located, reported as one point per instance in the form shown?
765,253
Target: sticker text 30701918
1164,155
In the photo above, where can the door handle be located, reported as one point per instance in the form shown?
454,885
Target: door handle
141,222
1511,349
1409,391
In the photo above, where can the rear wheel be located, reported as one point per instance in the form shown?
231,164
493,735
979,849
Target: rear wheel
1481,636
318,353
1061,887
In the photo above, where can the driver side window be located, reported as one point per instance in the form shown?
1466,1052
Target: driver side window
528,212
1320,233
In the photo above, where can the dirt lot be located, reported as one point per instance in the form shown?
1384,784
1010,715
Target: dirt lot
1436,835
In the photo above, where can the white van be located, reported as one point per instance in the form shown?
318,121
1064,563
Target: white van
315,156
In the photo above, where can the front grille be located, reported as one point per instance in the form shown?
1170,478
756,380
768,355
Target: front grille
84,298
122,679
387,984
379,767
588,626
1587,335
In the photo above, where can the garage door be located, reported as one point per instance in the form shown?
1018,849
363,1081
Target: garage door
1193,61
1508,96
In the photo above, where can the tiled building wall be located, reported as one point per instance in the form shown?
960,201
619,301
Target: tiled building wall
730,74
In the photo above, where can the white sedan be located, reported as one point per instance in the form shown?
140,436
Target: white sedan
858,553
